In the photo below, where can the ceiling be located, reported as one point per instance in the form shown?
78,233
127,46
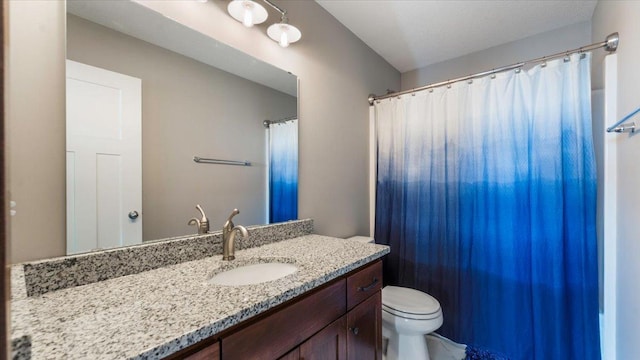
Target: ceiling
411,34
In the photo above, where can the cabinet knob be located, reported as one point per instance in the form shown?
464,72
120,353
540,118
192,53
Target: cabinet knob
133,215
355,330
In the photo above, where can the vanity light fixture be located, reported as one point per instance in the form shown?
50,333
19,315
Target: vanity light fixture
284,33
250,12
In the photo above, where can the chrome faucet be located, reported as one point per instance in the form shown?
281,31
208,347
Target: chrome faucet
229,231
203,223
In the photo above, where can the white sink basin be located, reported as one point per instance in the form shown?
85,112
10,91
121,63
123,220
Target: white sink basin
253,274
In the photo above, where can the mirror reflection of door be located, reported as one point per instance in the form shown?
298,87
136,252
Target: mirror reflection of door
104,159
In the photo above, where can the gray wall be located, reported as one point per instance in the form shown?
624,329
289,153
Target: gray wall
336,72
189,108
622,16
569,37
36,128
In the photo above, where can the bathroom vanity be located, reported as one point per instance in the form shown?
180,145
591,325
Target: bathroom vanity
330,304
340,320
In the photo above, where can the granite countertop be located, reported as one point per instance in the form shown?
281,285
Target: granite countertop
155,313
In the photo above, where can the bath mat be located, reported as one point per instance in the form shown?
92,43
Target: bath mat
474,353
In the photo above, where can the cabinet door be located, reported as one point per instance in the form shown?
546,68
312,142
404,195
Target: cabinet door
291,355
329,344
364,335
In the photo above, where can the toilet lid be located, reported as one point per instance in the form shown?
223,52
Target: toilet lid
408,302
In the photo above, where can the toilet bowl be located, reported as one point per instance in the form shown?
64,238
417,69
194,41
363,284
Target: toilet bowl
407,316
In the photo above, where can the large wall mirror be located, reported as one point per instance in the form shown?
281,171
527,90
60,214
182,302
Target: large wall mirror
145,96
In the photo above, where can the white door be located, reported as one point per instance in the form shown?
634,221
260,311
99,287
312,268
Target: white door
104,159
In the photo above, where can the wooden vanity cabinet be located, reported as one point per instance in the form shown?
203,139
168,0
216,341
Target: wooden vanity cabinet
292,355
341,320
211,352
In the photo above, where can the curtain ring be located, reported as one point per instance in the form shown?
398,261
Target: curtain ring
430,90
567,58
518,70
470,81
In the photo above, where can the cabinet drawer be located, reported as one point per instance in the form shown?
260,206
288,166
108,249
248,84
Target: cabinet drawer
273,336
363,284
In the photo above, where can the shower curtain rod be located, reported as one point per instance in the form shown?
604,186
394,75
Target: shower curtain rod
610,44
266,123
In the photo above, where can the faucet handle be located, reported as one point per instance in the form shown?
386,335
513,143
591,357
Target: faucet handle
204,217
228,225
233,213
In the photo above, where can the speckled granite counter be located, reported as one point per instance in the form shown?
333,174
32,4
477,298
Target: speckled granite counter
155,313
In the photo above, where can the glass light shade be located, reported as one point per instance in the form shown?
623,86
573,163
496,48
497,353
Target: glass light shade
284,33
247,12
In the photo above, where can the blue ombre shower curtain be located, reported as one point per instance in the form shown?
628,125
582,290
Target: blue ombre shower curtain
283,171
486,193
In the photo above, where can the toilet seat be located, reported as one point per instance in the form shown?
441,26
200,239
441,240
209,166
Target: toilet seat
409,303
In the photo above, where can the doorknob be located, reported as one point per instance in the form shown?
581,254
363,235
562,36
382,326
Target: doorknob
133,215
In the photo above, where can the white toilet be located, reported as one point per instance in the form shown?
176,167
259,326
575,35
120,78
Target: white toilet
407,316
